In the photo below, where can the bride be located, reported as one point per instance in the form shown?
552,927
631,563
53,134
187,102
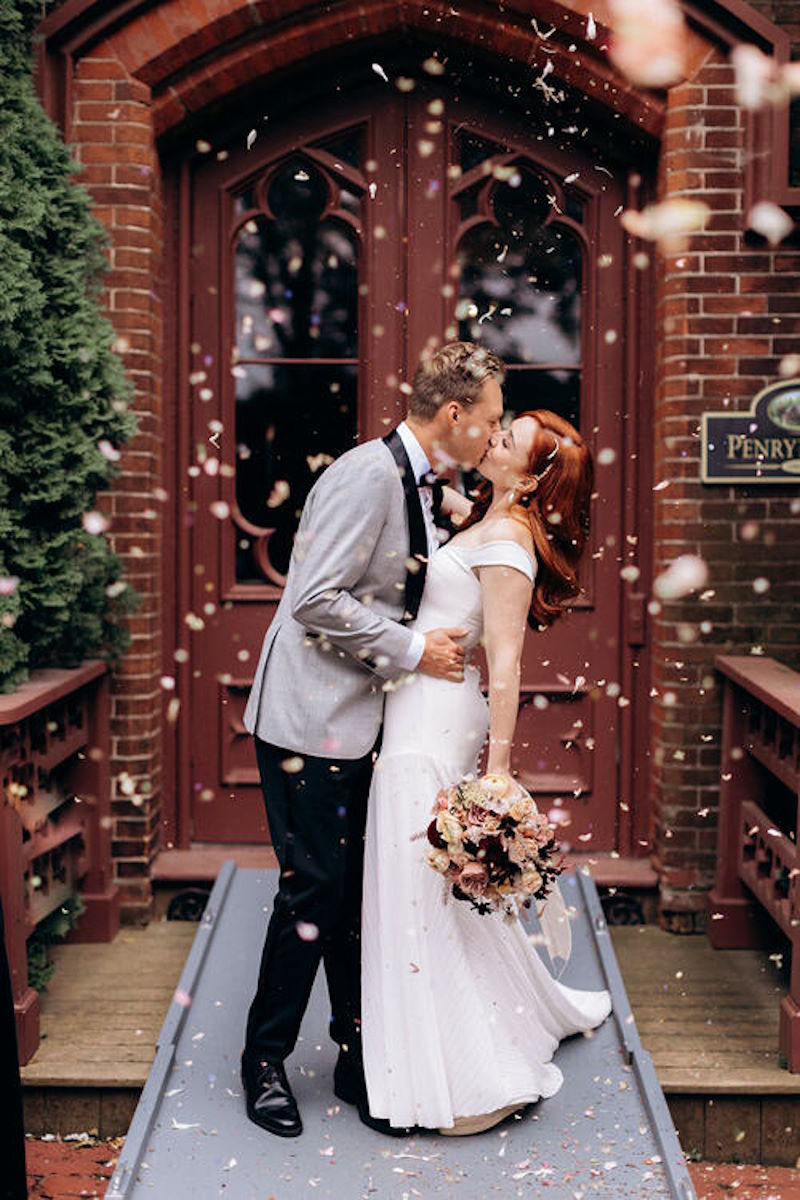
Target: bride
460,1016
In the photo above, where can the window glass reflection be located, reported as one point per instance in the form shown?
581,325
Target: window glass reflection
296,276
291,422
345,146
559,391
474,149
244,202
520,284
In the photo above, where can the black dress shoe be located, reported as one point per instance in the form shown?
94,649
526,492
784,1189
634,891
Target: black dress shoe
350,1085
381,1125
270,1102
348,1078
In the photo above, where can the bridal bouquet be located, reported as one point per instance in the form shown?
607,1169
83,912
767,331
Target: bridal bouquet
492,845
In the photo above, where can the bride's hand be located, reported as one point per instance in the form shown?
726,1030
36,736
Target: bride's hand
500,773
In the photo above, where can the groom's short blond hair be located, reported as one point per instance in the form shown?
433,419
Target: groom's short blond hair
456,371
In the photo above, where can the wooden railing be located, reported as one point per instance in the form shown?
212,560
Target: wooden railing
757,860
55,824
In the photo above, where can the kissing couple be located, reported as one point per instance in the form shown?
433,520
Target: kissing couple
365,705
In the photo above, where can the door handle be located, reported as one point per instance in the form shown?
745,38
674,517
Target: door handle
637,618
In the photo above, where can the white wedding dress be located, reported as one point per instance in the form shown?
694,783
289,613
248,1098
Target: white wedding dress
460,1016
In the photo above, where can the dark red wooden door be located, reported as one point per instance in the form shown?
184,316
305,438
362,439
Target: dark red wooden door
324,258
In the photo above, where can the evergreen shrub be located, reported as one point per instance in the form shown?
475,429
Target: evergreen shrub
63,392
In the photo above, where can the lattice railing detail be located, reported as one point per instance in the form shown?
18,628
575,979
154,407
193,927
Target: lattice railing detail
55,824
757,861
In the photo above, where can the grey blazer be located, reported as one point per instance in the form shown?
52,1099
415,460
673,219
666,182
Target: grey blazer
337,637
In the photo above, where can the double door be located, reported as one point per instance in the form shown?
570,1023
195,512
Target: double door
322,260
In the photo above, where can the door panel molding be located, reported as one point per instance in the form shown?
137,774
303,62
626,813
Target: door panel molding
409,230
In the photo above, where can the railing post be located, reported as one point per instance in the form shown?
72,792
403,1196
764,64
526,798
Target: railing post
735,922
12,888
55,835
91,781
789,1025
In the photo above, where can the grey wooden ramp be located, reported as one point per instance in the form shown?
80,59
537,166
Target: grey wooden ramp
607,1133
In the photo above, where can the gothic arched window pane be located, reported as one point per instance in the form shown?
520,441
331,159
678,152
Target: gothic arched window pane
297,276
520,291
295,354
520,284
291,422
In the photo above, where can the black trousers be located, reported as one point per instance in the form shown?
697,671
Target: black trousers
317,815
13,1181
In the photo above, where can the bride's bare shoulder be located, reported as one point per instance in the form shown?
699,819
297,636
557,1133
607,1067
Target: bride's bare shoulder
505,529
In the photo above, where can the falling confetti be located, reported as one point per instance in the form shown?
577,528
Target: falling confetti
292,765
668,223
688,573
770,221
279,494
432,66
648,41
760,81
307,931
789,366
378,69
251,138
95,523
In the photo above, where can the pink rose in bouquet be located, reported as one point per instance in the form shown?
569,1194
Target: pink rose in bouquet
473,879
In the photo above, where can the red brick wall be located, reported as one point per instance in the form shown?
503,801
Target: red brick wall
112,135
728,310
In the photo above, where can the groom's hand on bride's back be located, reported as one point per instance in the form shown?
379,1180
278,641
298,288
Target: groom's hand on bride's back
443,656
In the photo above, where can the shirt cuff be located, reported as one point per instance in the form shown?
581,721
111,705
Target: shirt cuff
410,660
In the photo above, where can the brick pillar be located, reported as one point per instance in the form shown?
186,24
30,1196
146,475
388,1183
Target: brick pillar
727,310
113,140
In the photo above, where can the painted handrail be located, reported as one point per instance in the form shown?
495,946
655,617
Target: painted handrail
55,819
757,854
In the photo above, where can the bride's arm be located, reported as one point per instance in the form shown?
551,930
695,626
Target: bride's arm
506,595
455,505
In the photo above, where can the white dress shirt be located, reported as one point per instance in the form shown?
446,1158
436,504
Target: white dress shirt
420,464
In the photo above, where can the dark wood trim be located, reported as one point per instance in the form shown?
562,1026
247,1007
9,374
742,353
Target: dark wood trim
46,687
183,592
770,681
78,23
732,21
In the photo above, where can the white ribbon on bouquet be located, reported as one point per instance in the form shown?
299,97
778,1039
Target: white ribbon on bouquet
556,928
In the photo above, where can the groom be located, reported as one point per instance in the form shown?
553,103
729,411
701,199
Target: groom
338,641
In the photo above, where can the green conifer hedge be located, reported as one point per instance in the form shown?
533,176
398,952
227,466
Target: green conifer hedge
63,392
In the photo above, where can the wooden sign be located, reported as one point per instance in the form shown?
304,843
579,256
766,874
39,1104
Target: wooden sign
762,446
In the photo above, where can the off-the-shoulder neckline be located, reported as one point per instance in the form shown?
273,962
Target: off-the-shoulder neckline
493,542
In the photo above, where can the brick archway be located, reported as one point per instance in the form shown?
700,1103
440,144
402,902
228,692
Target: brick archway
122,77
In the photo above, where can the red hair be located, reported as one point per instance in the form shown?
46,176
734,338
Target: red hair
556,512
